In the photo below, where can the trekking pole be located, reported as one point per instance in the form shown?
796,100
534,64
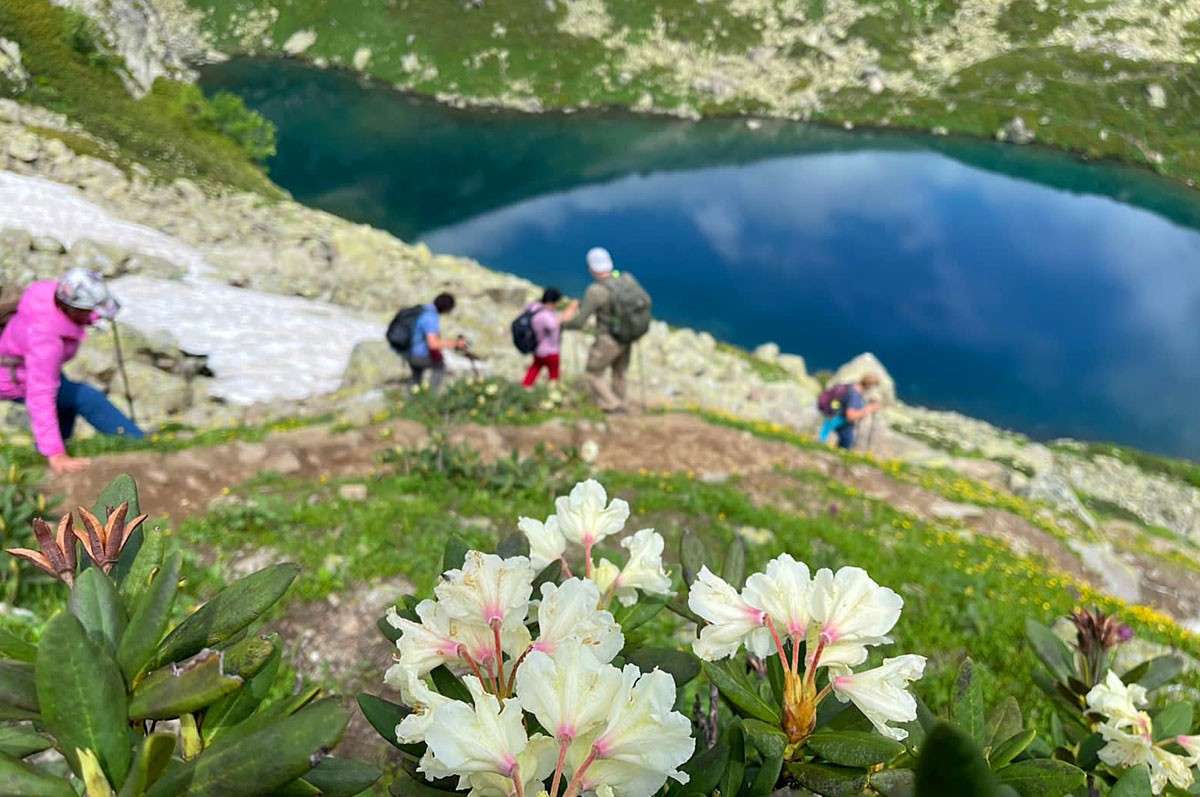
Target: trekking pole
121,368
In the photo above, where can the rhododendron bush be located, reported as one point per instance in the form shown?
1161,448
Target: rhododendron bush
528,672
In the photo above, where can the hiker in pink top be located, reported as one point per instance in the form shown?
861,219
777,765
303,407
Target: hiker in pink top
547,326
50,324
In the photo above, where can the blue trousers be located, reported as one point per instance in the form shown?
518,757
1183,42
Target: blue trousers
843,428
76,398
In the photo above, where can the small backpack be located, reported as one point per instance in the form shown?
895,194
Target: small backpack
630,306
10,298
524,336
831,400
400,331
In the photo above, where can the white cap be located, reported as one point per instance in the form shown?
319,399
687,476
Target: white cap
84,289
599,260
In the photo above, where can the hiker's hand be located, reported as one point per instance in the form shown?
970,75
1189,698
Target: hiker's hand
61,463
460,343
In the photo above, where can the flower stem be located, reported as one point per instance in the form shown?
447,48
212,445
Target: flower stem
499,659
562,757
512,676
778,642
566,568
517,780
795,654
587,557
816,658
575,786
462,651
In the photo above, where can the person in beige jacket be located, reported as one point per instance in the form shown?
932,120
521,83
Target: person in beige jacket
607,352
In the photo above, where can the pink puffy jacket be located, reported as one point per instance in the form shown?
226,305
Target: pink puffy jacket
38,340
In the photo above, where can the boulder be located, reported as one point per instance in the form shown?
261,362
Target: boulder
1054,489
362,57
299,42
104,258
152,266
1015,132
1156,95
11,68
24,147
373,365
767,352
862,365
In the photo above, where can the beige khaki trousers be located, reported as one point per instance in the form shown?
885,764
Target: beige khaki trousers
608,353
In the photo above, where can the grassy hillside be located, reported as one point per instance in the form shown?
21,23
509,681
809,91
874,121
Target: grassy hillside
1083,75
173,131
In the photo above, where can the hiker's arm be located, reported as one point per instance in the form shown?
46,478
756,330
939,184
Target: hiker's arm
43,377
435,342
569,313
855,415
593,299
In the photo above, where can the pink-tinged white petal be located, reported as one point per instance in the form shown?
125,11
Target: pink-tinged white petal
1125,750
1175,769
483,738
535,763
882,694
1116,700
731,620
783,592
583,517
849,606
568,611
546,542
417,695
1191,744
487,589
623,779
570,694
644,569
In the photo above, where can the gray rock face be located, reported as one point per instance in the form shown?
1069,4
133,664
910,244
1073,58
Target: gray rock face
864,364
1015,132
12,70
1156,95
373,365
155,38
1054,489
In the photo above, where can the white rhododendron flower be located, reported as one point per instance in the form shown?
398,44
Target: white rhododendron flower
1115,700
783,593
852,612
417,695
441,639
571,693
568,612
1172,768
644,570
483,738
583,517
643,742
535,763
731,620
882,693
1192,745
605,575
488,589
546,542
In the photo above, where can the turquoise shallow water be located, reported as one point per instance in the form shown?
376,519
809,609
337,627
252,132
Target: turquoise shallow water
1020,286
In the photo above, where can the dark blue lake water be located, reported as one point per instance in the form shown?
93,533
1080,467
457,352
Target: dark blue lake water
1046,295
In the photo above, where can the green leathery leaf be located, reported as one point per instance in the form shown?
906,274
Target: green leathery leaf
736,688
680,665
341,777
94,601
769,740
18,690
182,689
515,544
775,676
704,770
82,697
151,612
1057,657
854,748
733,569
297,788
1134,783
248,656
764,782
19,741
122,489
295,743
449,685
147,562
383,715
693,555
640,613
233,608
1003,722
829,779
230,733
1010,748
14,647
1041,777
1173,720
950,763
1155,673
151,760
407,785
735,768
19,779
235,707
454,554
967,709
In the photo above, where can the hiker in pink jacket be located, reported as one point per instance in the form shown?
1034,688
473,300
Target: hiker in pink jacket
50,323
547,326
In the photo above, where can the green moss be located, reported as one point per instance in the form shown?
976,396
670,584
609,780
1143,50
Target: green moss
162,131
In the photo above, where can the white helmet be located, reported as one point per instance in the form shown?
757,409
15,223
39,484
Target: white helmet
84,289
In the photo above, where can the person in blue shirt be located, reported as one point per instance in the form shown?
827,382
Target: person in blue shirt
428,344
854,408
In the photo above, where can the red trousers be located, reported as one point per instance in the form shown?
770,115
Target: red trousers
549,362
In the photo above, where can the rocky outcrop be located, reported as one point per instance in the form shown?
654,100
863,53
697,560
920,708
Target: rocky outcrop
154,38
12,70
865,364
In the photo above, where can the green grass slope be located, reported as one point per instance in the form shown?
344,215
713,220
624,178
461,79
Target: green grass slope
171,131
1082,75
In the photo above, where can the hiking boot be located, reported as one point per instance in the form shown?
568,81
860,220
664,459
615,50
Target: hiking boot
615,411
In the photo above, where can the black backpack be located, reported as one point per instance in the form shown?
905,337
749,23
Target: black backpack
524,336
400,331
